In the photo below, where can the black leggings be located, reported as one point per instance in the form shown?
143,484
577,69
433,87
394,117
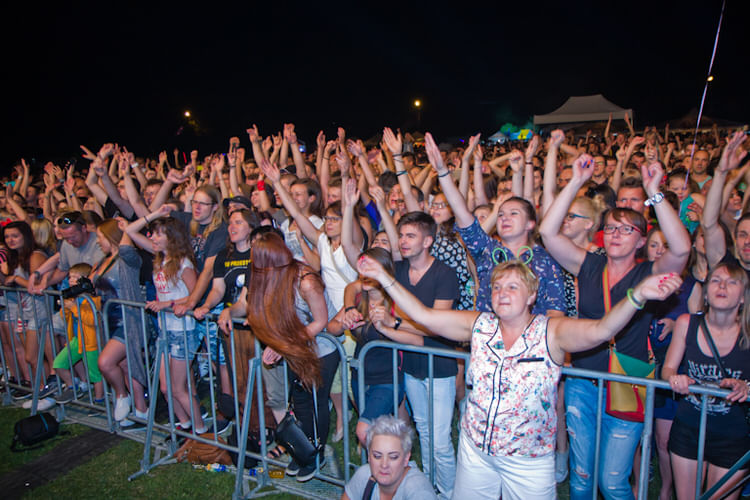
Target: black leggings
303,399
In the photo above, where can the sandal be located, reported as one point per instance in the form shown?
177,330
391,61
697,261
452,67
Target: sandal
277,452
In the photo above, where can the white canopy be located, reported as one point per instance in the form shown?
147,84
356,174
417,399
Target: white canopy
587,108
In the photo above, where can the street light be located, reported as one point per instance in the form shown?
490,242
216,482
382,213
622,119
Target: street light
711,78
418,107
187,114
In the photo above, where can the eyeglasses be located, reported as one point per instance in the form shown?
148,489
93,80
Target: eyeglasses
70,218
624,229
204,203
571,216
439,206
332,218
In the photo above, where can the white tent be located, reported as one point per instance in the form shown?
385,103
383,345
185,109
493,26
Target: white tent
587,108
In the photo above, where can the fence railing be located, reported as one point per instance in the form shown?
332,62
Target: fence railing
136,331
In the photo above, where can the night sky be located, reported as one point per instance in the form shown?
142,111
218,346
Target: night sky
86,76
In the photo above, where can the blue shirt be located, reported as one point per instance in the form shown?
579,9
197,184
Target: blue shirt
488,252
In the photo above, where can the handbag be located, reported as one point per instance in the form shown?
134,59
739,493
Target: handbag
722,371
626,401
198,452
32,430
290,435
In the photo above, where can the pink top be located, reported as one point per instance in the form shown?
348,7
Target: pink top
511,409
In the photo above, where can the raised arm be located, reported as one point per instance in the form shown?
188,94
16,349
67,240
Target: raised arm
291,137
454,325
550,170
528,181
351,232
395,145
576,335
386,221
480,196
730,159
464,217
463,183
563,250
673,260
273,174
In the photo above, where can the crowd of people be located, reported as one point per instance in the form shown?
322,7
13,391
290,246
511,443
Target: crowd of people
529,256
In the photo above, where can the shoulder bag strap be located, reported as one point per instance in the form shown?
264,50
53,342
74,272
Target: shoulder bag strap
368,489
714,351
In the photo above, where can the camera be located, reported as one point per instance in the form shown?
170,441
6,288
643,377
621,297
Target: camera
84,285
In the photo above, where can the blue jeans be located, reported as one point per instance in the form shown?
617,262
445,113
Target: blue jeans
443,400
210,328
619,440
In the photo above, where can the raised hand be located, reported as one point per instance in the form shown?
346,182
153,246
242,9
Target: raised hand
289,134
176,177
394,144
87,153
652,176
271,172
321,140
252,133
106,150
516,160
730,157
635,142
351,193
583,168
433,153
370,268
478,154
532,148
557,137
342,159
341,133
377,194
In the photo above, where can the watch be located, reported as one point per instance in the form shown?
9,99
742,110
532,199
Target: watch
398,323
656,198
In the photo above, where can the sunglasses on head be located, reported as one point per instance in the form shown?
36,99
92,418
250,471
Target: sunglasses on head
70,218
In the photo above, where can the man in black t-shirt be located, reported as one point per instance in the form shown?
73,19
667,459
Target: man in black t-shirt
436,285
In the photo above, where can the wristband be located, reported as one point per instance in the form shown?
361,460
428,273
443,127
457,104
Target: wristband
395,155
261,185
398,323
171,304
350,308
631,298
402,172
389,284
447,172
145,217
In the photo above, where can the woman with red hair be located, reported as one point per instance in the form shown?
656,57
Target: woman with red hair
286,309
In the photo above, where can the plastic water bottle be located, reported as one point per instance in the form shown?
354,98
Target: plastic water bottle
19,325
211,467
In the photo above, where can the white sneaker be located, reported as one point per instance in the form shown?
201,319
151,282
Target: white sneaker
45,404
122,408
41,405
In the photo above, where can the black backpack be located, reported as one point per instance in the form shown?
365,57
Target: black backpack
32,430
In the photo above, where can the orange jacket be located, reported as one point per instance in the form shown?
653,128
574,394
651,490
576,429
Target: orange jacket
86,325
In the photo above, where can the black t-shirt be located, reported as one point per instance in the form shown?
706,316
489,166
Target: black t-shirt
438,283
232,269
632,340
204,247
379,361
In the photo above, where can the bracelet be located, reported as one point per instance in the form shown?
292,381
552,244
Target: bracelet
171,304
656,198
631,298
261,185
389,284
350,308
447,172
145,217
396,155
402,172
326,157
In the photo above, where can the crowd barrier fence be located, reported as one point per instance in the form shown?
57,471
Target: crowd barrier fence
170,432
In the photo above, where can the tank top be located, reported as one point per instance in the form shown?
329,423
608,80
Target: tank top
724,417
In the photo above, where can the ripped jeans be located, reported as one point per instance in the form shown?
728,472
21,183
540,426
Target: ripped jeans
619,441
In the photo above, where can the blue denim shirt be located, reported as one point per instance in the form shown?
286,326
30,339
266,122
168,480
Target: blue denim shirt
488,252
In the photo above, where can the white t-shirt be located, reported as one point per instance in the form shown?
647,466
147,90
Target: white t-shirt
291,240
167,291
335,271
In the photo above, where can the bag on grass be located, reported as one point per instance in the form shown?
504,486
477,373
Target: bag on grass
197,452
32,430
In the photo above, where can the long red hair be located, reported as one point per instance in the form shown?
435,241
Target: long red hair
271,312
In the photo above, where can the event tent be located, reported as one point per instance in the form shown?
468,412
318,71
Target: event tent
587,108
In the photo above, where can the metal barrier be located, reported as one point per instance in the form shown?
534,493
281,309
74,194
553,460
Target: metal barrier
254,382
600,377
